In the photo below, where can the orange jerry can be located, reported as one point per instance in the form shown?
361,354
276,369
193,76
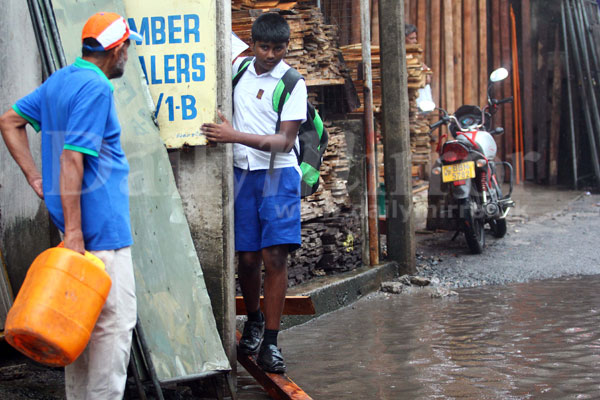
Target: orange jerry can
56,309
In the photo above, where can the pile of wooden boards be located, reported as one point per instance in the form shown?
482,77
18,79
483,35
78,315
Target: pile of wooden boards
353,57
330,226
419,129
313,43
420,141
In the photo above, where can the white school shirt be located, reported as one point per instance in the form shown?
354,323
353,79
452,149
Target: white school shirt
253,113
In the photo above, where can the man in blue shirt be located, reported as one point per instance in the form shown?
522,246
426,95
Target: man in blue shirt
84,185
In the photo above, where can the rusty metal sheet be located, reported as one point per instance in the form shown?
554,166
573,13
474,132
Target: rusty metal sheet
173,304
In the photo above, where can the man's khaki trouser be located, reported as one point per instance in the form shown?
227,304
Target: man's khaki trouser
101,370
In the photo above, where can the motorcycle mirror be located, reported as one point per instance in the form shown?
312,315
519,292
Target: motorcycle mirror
499,75
426,106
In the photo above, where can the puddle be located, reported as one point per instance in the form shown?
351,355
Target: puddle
518,341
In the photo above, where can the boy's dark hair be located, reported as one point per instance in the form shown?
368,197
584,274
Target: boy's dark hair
270,28
409,28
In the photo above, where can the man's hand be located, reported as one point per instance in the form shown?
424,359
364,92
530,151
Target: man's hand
36,184
74,241
220,133
12,126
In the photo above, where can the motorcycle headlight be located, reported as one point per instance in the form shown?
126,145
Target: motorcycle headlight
481,163
436,171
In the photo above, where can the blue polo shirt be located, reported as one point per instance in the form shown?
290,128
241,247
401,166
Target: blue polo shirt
75,110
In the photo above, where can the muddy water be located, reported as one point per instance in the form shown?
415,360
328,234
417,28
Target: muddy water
535,340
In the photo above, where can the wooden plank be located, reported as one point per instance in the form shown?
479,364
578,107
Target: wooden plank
375,22
470,62
458,51
449,56
436,49
443,102
294,305
527,85
324,82
413,12
517,100
407,11
483,52
278,386
355,27
497,63
507,83
422,24
555,114
541,122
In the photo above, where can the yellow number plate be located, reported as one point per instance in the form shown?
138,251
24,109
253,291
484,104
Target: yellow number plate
458,172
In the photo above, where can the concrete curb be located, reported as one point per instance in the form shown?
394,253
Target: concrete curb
337,291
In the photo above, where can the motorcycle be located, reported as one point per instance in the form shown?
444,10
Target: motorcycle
465,192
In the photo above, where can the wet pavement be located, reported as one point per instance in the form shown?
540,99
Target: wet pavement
535,340
524,322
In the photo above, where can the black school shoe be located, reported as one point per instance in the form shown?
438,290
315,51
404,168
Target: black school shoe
251,337
270,359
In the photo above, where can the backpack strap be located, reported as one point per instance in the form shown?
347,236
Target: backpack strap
281,94
238,75
241,69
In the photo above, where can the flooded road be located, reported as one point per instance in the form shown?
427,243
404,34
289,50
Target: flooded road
520,341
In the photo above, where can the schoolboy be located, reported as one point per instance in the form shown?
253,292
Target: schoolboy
267,200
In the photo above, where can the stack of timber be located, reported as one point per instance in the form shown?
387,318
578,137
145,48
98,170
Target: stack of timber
420,142
313,47
353,57
331,239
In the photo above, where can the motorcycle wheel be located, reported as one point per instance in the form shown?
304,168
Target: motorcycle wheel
498,227
473,226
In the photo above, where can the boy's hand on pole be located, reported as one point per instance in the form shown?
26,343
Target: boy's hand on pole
219,133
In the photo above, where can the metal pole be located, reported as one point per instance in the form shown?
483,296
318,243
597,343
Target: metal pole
38,39
396,136
569,95
594,54
45,47
136,376
139,332
586,111
365,23
62,61
588,70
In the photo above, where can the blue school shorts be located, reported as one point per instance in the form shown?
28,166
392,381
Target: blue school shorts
267,208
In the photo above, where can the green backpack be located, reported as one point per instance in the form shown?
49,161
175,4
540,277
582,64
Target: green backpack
312,135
